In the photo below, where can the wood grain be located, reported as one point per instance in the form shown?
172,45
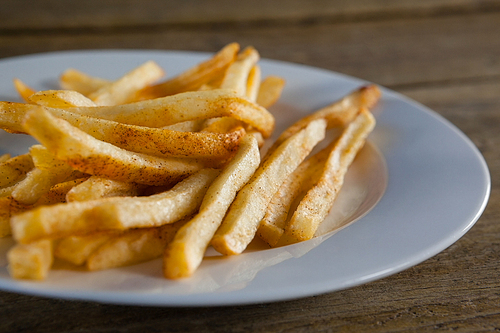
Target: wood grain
443,53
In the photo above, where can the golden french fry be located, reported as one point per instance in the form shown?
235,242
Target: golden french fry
318,201
339,113
242,220
253,83
185,253
114,213
272,226
72,79
89,155
98,187
30,261
120,90
132,247
60,99
14,169
270,91
23,90
236,76
5,216
76,249
39,180
195,77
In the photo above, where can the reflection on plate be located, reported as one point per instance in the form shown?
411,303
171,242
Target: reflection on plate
416,188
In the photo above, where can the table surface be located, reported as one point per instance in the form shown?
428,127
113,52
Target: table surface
442,53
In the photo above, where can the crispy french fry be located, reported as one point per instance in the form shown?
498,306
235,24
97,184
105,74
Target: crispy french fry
98,187
242,220
77,249
339,113
115,213
318,201
120,90
195,77
236,76
132,247
185,253
253,83
272,226
30,261
23,90
72,79
270,91
60,99
14,169
89,155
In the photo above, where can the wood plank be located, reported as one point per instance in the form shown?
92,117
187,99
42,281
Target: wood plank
54,14
392,53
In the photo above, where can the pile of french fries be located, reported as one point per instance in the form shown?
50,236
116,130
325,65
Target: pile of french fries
144,167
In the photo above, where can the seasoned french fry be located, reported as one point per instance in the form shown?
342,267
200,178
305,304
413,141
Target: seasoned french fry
72,79
318,201
115,213
270,91
89,155
253,83
195,77
98,187
30,261
236,76
339,113
242,220
77,249
14,169
272,226
120,90
23,90
185,253
132,247
60,99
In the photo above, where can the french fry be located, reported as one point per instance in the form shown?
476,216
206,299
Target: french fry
98,187
60,99
236,75
253,83
270,91
247,210
77,249
318,201
89,155
185,253
72,79
120,90
30,261
337,114
14,169
194,77
272,226
5,157
114,213
23,90
132,247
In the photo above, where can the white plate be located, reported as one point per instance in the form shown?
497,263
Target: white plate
414,190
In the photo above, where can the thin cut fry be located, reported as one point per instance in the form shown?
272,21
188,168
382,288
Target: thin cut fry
185,253
115,213
30,261
195,77
270,91
14,169
132,247
98,187
72,79
60,99
243,218
120,90
318,201
236,76
253,83
76,249
23,90
89,155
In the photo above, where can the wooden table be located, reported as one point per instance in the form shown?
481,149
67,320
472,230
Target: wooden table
442,53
